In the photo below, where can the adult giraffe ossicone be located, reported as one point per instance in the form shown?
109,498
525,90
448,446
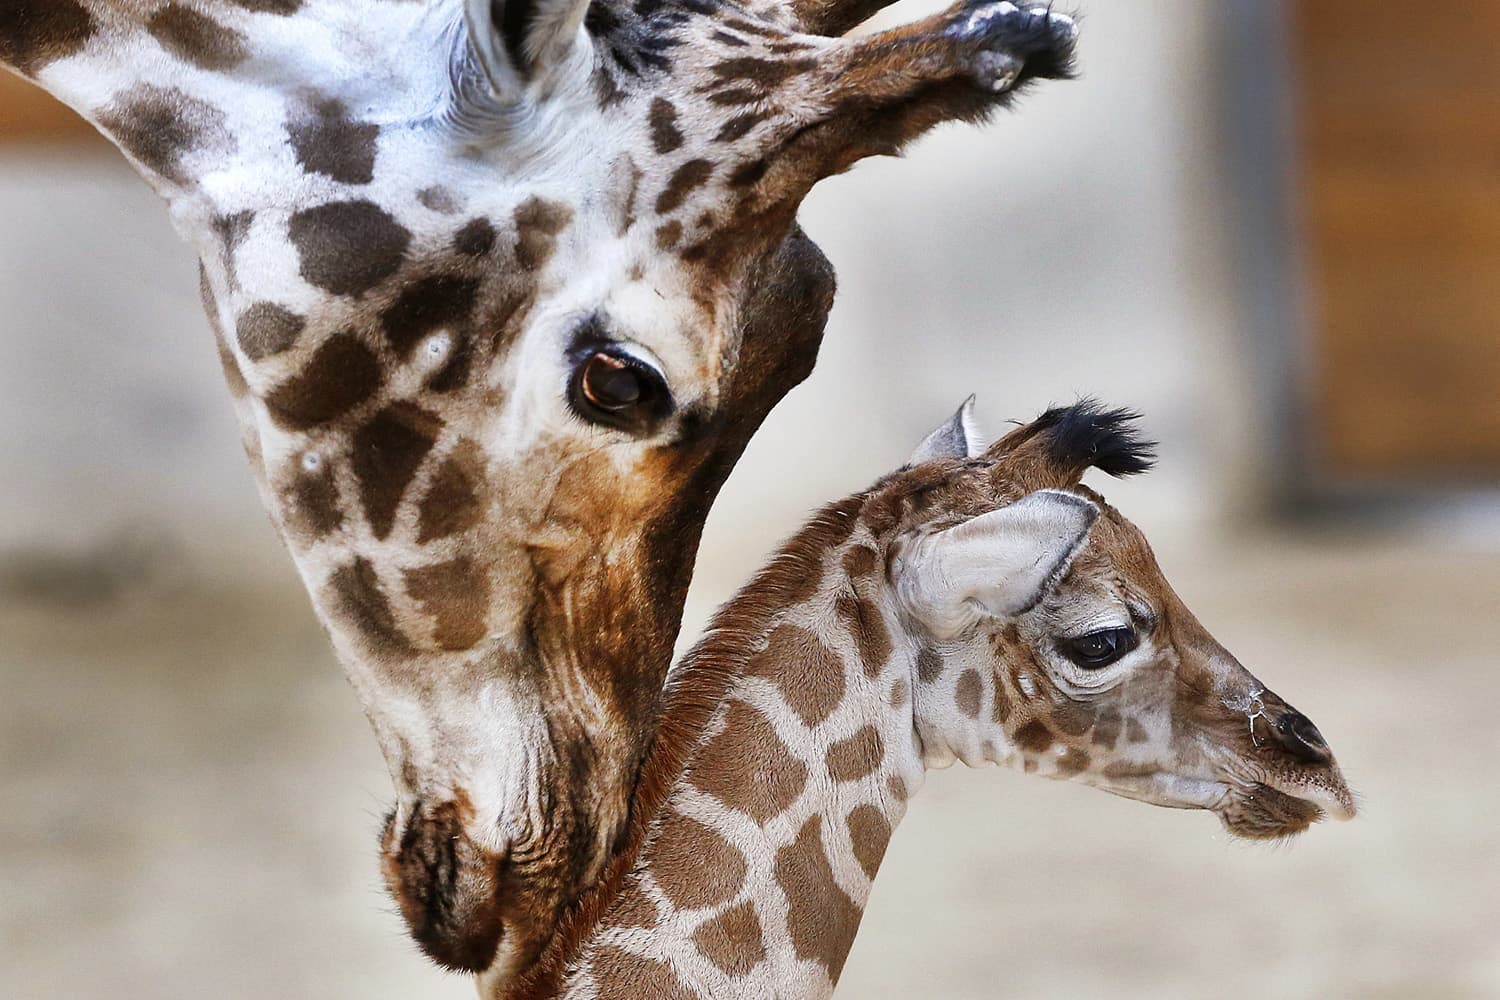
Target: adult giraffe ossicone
502,289
978,605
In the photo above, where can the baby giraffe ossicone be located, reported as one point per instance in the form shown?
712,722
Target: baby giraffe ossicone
978,605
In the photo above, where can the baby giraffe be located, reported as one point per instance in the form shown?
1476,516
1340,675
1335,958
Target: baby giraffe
976,605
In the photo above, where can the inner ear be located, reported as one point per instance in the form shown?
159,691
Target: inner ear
956,437
517,40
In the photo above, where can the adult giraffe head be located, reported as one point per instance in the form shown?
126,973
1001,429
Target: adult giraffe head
502,289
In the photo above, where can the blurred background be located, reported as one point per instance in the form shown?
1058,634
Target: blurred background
1272,227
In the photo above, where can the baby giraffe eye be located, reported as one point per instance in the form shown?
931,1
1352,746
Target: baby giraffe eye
1100,648
612,388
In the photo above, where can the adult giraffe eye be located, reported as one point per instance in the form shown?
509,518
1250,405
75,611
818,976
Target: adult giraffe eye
1100,648
612,388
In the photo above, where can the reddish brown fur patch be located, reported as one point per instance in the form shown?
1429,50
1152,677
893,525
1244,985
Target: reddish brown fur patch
665,136
1135,732
452,503
341,374
476,239
538,223
266,329
348,247
732,940
159,127
694,866
1107,729
859,755
456,594
1001,710
311,507
821,919
929,665
871,638
1073,761
869,835
632,907
334,145
357,595
861,560
197,38
388,450
36,32
685,179
1073,718
970,693
808,674
630,975
1034,736
747,767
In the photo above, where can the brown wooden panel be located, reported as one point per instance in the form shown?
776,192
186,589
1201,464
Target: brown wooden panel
1400,168
29,114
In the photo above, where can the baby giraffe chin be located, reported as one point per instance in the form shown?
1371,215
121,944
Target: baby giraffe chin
979,604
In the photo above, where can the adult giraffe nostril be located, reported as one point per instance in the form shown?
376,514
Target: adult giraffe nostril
1299,737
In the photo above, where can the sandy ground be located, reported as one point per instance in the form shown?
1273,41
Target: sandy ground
190,803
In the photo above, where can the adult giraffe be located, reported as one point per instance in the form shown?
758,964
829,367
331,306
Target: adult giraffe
502,289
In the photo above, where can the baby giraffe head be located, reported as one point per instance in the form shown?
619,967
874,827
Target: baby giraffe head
1050,641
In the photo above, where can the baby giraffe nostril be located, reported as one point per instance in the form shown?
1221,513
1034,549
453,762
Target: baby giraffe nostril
1299,737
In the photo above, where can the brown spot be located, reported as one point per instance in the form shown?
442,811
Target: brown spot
732,940
809,675
233,377
341,374
1073,718
312,501
439,199
695,867
637,975
970,693
861,560
1107,729
457,596
358,596
538,222
266,329
1135,732
332,144
768,73
452,502
739,125
1034,736
747,767
1001,710
159,127
899,693
665,136
280,7
668,235
869,835
36,32
632,907
427,306
348,247
736,95
1073,761
197,38
929,665
821,919
725,38
865,624
895,786
476,238
388,450
685,179
859,755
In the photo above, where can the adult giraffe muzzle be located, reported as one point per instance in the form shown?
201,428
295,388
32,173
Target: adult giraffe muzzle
502,289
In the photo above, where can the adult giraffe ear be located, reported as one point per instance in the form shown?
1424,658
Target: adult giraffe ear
956,437
517,41
997,565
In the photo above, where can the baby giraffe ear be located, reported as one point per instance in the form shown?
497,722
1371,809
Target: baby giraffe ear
997,565
956,437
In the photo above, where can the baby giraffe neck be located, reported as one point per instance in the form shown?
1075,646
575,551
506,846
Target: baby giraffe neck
799,754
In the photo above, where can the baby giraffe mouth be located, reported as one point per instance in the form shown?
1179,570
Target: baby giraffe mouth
1261,811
